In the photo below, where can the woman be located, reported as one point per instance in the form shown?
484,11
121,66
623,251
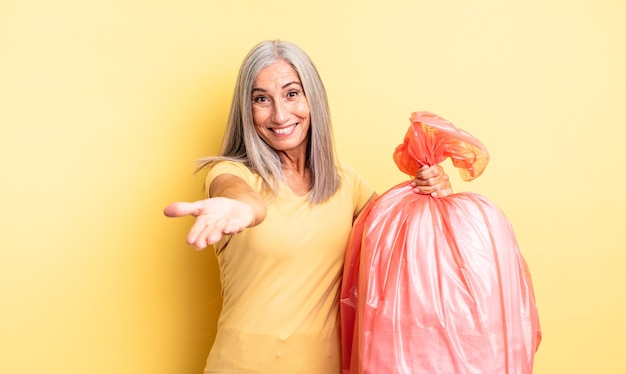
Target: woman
279,214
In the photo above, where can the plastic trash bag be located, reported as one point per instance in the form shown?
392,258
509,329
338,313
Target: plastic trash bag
436,285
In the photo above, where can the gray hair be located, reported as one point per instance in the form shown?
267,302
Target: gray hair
241,142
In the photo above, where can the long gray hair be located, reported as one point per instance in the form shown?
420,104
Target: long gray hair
241,142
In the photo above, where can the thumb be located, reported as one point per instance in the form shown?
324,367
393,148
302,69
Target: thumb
181,209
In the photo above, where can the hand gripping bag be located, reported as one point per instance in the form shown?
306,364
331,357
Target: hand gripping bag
436,285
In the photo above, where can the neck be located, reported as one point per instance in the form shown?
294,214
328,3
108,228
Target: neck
297,174
294,162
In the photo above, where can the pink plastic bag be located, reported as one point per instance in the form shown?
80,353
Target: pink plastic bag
436,285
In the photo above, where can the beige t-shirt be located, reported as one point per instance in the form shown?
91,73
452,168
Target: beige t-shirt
281,281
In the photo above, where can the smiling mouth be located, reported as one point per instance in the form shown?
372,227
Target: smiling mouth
284,130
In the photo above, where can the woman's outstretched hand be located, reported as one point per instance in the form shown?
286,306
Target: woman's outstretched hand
215,218
432,180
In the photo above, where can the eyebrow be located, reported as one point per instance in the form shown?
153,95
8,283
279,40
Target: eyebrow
254,89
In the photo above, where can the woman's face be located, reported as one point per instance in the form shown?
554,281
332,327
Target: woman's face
279,108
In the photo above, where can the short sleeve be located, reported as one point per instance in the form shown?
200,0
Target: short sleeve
361,190
228,167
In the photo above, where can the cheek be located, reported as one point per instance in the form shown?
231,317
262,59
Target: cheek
258,118
302,109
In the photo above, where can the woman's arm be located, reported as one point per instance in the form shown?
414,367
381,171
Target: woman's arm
232,207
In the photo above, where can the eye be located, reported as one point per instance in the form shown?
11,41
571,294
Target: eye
293,94
260,99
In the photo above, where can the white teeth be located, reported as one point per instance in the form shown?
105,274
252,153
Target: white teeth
284,130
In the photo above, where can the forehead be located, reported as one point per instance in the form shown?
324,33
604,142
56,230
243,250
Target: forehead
278,72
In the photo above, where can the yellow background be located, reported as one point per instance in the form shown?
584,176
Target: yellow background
104,105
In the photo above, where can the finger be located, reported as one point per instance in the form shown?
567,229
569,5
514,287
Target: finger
194,235
200,236
431,182
419,172
199,232
181,209
429,172
226,227
200,245
424,190
442,193
434,186
433,191
234,227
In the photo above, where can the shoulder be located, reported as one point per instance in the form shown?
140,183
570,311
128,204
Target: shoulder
229,167
354,181
354,187
347,173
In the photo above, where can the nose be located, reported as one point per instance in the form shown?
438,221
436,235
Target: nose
280,112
